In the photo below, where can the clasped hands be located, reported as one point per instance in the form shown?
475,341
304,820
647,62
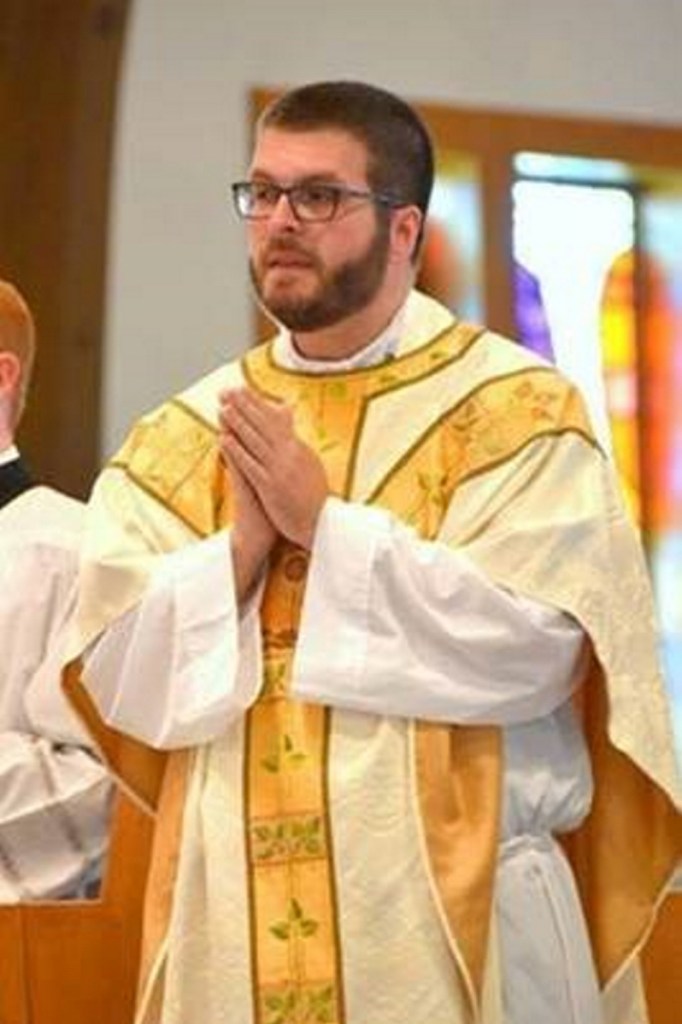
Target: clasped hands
279,483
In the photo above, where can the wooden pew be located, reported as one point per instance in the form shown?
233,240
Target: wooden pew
662,964
76,961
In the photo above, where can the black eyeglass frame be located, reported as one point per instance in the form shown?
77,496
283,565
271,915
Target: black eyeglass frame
337,193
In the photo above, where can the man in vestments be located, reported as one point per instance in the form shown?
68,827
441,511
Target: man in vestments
54,792
372,591
17,346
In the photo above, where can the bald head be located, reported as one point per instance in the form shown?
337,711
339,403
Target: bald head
17,349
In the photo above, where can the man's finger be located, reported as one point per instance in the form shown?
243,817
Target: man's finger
236,423
245,462
269,418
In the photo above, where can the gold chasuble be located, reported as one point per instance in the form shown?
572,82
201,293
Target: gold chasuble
471,441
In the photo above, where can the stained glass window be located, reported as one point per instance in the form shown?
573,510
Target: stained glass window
451,264
597,252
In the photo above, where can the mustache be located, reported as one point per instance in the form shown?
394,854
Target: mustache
287,247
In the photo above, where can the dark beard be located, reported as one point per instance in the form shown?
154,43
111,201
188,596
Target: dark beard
351,288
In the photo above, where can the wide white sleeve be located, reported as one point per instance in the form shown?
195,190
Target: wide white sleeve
37,596
182,664
54,817
393,625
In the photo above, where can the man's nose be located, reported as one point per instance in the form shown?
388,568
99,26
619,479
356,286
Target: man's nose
283,214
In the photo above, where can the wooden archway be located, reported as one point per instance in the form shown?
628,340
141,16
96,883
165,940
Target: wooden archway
59,71
69,962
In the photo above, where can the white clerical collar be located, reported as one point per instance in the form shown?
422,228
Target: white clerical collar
285,354
9,455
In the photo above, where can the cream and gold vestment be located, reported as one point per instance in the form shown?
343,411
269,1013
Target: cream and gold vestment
315,862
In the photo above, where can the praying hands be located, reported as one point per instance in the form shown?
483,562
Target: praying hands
279,480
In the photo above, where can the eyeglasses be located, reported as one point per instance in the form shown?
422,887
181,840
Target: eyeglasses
310,203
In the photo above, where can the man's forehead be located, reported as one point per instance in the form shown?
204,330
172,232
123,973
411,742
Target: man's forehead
323,152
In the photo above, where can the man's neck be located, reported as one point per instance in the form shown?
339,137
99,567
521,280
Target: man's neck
342,340
6,439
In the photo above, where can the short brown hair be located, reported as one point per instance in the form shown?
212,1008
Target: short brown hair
399,149
17,333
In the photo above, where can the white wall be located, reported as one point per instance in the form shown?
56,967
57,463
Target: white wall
178,294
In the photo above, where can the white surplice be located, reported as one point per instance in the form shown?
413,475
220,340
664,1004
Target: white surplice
54,793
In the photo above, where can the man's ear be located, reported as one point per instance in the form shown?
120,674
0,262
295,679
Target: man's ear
10,372
406,222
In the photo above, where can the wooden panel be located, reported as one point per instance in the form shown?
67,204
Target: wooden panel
77,962
59,65
77,965
662,965
13,988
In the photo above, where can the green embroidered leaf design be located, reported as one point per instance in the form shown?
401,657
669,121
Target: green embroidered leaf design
301,1005
271,763
293,837
287,756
